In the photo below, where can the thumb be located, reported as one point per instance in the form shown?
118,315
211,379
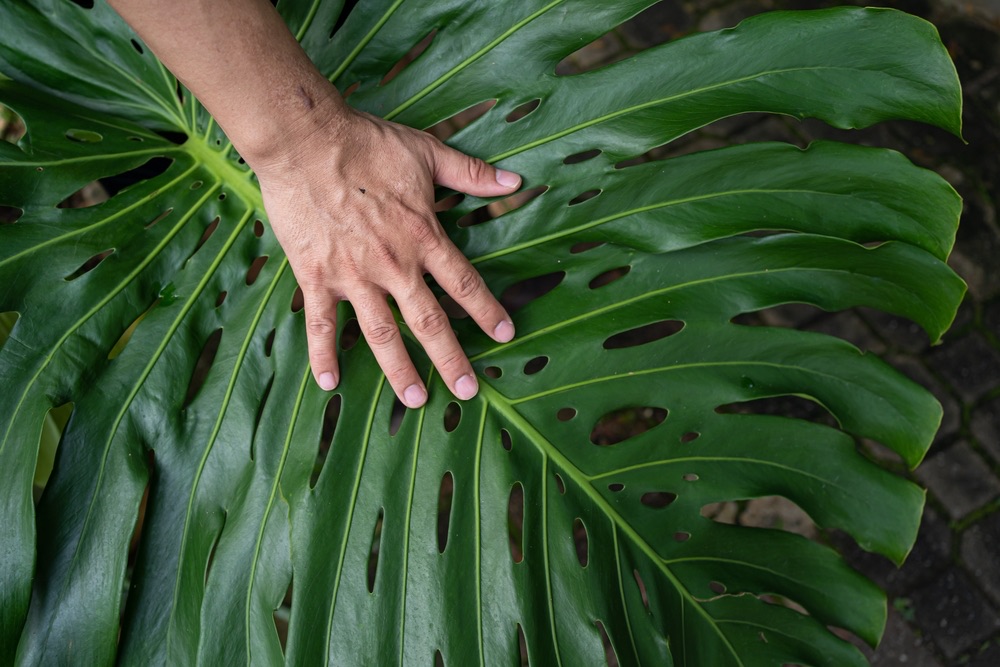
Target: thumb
471,175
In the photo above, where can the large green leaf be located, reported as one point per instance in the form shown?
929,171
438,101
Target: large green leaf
257,483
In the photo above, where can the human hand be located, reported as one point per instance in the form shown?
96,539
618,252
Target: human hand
351,200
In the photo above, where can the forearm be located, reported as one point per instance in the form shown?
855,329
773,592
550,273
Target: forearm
242,63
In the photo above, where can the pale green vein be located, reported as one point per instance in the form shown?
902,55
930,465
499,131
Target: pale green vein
270,504
477,510
350,515
364,41
90,159
549,451
621,590
307,21
444,78
545,557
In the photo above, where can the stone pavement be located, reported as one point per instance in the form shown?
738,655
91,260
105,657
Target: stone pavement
944,603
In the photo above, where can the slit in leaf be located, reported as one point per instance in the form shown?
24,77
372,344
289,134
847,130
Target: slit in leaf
581,541
523,110
89,195
495,209
448,202
137,46
126,336
255,268
609,276
609,649
795,407
523,292
582,156
269,343
298,300
642,588
152,168
584,196
176,138
89,265
445,496
221,299
373,552
505,440
452,416
408,58
12,126
535,365
10,214
84,136
158,218
438,658
620,425
522,646
691,477
560,485
258,228
207,234
331,415
658,499
7,321
493,372
682,536
444,129
202,366
396,416
282,614
690,436
647,333
259,416
603,51
53,427
215,545
515,522
584,246
565,414
615,487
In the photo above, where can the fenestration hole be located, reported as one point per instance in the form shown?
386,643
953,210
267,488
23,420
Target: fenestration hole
647,333
515,522
619,425
658,499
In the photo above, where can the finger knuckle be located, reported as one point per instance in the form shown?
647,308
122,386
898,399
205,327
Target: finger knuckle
425,232
430,323
467,284
452,362
477,169
320,325
382,334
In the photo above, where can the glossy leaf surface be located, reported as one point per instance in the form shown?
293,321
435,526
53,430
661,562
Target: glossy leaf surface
458,528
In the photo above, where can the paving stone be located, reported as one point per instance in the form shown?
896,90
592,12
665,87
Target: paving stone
971,365
848,326
953,613
951,419
981,553
960,479
987,656
986,427
930,555
991,317
900,646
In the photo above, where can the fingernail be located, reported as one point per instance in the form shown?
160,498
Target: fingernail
466,387
504,331
414,396
508,179
327,382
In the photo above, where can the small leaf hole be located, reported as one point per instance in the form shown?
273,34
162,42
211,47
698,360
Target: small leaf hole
647,333
396,416
373,552
581,541
610,276
408,58
523,110
582,156
207,234
438,659
515,522
203,365
658,499
690,477
158,218
255,268
10,214
505,441
495,209
565,414
298,300
493,372
620,425
583,196
584,246
522,646
258,228
89,265
642,589
269,343
452,416
197,185
535,365
690,436
522,293
682,536
331,415
84,136
136,46
221,299
717,587
560,485
615,487
445,496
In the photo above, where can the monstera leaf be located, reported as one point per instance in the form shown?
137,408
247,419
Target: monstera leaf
507,525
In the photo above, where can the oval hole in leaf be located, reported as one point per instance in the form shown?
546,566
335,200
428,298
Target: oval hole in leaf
584,246
796,407
373,552
84,136
647,333
642,588
408,58
495,209
615,487
535,365
690,477
581,542
396,416
682,536
448,202
584,196
610,276
152,168
522,645
505,439
350,335
690,436
10,214
620,425
609,649
449,126
452,416
258,228
53,426
203,365
493,372
197,185
89,265
601,52
260,414
582,156
445,495
126,336
717,587
137,46
560,485
523,292
438,659
658,499
331,415
565,414
269,343
298,300
207,234
89,195
158,218
515,522
522,110
255,268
